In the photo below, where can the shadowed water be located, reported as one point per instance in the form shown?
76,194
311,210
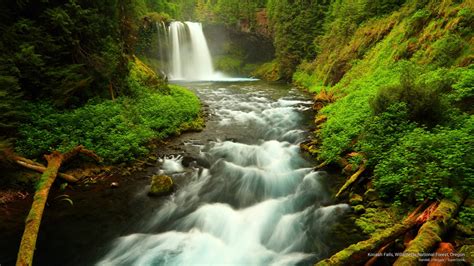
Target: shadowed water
250,197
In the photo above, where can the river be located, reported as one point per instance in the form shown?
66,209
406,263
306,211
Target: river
251,199
246,195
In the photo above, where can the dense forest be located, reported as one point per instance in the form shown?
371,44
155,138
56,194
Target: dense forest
392,85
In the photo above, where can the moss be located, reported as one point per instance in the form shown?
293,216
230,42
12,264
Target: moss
355,199
468,251
160,185
145,76
359,209
268,71
197,124
376,219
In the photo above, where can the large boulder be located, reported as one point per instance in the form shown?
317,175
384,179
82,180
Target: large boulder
160,185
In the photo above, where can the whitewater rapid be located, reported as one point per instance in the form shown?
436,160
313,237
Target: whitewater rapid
249,200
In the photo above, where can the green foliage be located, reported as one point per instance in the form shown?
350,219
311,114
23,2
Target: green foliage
227,12
142,78
411,118
116,130
417,21
295,24
383,131
60,51
446,50
229,64
303,79
268,71
466,216
463,89
428,165
423,102
347,116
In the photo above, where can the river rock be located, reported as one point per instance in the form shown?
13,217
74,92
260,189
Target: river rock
371,195
160,185
359,209
355,199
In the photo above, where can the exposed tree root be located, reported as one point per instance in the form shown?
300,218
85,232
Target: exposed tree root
33,221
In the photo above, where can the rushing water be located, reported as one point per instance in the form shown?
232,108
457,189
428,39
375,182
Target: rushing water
249,197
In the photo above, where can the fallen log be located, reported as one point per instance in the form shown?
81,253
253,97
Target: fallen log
374,259
360,252
431,231
444,255
33,220
352,179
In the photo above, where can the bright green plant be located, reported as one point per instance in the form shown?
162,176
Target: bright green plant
428,165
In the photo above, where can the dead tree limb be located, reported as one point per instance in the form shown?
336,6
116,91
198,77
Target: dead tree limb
33,220
352,179
41,169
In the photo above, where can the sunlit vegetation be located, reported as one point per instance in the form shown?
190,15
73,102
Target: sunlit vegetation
403,76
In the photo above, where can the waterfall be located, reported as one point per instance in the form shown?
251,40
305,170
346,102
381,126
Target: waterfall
162,38
190,58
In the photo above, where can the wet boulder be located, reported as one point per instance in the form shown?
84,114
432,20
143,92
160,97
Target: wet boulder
160,185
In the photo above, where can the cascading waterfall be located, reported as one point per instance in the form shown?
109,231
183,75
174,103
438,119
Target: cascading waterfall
252,202
162,38
190,58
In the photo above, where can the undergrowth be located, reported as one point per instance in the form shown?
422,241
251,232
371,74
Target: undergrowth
117,130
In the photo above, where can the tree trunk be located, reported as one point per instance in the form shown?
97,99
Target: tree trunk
33,221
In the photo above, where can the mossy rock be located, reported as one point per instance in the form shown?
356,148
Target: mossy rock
359,209
355,199
371,195
160,185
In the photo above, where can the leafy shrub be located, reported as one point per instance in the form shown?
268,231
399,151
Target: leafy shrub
428,165
423,102
383,131
466,216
